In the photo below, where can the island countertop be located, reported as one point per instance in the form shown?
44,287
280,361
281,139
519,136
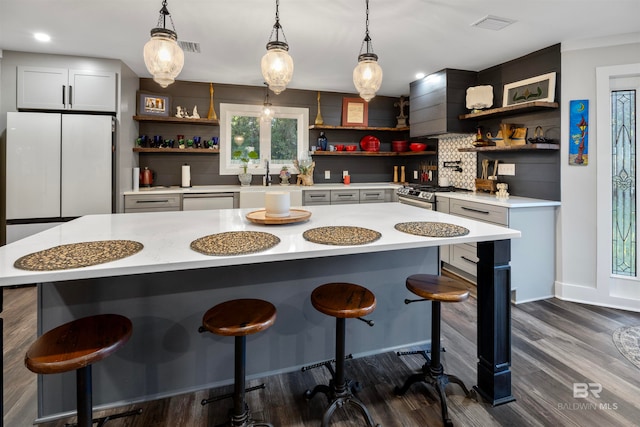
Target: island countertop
167,236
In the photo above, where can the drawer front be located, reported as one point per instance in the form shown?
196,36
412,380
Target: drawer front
151,203
373,196
480,211
344,196
317,197
464,257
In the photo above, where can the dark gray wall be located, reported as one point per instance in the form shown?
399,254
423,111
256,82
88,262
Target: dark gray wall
537,172
205,167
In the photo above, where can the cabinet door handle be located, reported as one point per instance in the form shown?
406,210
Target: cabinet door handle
319,196
376,195
346,195
152,201
476,210
70,95
469,260
64,91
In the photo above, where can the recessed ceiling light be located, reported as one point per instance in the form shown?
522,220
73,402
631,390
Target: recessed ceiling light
420,76
42,37
491,22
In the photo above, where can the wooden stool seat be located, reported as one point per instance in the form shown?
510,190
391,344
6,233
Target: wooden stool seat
75,346
343,300
78,343
437,288
239,317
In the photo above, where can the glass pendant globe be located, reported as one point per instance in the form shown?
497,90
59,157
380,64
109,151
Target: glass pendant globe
367,76
277,66
163,57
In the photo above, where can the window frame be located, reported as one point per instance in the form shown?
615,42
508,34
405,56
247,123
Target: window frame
227,111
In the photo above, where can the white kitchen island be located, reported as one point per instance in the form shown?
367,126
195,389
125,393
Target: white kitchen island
166,288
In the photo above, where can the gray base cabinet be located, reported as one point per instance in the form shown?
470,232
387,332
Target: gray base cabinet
532,255
346,196
152,203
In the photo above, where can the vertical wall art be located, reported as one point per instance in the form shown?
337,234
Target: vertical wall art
579,132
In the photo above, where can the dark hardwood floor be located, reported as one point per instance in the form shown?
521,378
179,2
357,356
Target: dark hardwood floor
555,344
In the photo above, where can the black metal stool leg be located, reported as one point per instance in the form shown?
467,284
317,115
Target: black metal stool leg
84,396
340,391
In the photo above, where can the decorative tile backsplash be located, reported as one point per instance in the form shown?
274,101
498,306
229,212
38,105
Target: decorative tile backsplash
448,152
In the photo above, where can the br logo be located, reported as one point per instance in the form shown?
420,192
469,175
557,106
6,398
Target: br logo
582,390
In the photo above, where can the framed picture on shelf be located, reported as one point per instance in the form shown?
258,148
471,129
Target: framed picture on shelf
540,88
153,105
355,112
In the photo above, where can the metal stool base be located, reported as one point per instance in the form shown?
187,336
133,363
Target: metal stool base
339,397
438,380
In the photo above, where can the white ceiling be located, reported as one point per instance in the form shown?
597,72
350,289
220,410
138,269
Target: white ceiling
324,35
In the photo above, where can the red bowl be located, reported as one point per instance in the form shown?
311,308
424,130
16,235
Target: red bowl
399,146
417,146
340,147
370,143
351,147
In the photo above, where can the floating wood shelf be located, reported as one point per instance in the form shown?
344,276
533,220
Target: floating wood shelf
176,120
510,110
175,150
525,147
385,129
374,153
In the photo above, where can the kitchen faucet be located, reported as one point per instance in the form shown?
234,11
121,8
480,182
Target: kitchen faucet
267,177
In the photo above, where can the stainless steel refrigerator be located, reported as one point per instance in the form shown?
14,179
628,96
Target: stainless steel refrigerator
58,166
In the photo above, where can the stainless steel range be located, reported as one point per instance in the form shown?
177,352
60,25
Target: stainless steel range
420,195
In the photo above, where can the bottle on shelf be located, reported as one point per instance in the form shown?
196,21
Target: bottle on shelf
322,142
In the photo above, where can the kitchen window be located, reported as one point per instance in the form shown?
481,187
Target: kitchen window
280,140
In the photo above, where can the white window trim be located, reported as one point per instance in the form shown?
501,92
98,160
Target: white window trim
258,167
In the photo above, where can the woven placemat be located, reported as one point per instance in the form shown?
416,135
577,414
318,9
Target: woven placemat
432,229
76,255
341,235
235,243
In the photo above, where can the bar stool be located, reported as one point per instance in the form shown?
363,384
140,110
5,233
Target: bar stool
436,289
239,318
75,346
341,300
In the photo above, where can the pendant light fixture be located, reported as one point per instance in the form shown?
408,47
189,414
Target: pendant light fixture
267,107
276,64
162,55
367,76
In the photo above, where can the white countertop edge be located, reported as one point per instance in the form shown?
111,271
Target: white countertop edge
512,202
169,249
258,188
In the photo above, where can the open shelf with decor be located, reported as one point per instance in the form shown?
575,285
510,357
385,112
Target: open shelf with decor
367,128
176,120
374,153
526,147
175,150
510,110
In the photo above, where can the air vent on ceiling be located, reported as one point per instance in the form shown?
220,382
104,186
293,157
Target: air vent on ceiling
193,47
491,22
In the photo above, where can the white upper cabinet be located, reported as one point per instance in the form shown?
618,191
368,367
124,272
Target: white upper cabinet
64,89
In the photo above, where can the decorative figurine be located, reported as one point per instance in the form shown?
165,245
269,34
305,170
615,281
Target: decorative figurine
195,114
284,175
319,120
179,112
402,119
211,115
305,175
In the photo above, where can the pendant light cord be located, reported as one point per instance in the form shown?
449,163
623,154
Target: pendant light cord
162,19
367,39
277,28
